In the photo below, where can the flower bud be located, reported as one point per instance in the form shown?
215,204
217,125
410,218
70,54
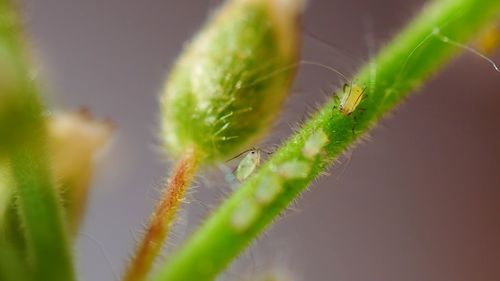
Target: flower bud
227,87
75,139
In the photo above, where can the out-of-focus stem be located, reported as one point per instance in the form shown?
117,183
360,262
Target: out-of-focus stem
23,142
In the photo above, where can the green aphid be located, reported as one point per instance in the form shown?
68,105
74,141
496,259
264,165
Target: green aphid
352,96
248,164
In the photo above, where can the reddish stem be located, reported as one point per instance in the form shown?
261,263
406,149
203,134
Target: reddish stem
162,218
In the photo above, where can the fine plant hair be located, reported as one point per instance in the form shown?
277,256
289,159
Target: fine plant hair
238,90
400,67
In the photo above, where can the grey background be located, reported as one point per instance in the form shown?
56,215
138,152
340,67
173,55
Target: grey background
419,201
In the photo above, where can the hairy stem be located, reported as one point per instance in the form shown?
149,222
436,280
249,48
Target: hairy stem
162,218
23,143
41,214
412,57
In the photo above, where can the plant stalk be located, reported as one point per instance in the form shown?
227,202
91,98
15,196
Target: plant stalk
41,215
23,142
162,218
11,264
403,65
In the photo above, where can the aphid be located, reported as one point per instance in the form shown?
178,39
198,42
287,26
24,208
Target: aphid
314,144
245,214
352,96
352,93
248,164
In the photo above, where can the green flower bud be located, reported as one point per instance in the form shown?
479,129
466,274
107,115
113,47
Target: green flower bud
227,87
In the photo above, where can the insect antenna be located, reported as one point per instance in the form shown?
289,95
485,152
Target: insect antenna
268,152
307,62
446,39
295,65
241,153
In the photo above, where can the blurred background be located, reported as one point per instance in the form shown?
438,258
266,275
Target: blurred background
420,200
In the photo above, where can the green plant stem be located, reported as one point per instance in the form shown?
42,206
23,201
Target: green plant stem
41,215
11,264
23,140
412,57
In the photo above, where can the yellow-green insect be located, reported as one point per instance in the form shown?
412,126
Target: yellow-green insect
352,93
248,164
352,96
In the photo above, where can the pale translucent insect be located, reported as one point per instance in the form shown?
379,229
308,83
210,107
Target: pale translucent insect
248,164
352,96
314,144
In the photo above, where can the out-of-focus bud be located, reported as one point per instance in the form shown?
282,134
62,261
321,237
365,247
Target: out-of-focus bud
227,87
75,139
